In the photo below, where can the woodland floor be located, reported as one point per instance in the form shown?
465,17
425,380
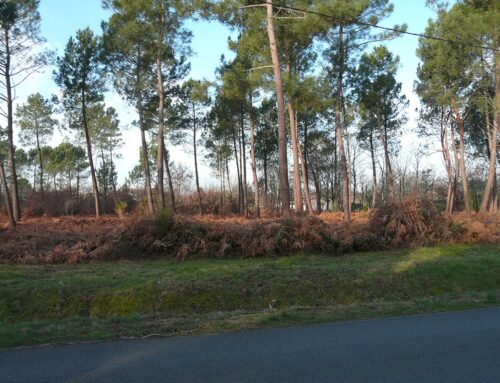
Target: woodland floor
74,239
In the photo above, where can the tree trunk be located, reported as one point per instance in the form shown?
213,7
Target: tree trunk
303,164
450,195
335,181
161,141
456,160
39,149
200,206
338,118
388,168
228,179
462,160
318,191
283,167
171,192
104,189
297,192
95,187
252,159
492,143
374,172
494,201
8,204
240,183
14,192
244,166
492,130
266,187
145,158
349,168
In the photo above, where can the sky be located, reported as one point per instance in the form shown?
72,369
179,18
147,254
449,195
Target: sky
60,19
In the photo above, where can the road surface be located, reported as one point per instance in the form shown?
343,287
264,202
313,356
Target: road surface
446,347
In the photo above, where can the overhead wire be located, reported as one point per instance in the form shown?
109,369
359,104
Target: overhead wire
377,26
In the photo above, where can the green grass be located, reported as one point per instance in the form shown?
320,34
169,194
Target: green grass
95,301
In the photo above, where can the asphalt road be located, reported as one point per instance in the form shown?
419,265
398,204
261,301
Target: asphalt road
447,347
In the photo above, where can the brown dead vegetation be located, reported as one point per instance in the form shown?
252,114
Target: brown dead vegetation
412,222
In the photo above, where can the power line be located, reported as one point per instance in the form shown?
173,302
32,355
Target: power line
363,23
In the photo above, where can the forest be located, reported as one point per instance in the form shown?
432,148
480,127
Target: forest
298,185
305,120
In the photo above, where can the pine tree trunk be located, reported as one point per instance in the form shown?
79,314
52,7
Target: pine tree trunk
244,165
450,195
145,158
266,187
14,192
303,164
97,201
8,204
388,168
491,135
456,160
374,172
228,179
318,191
494,202
240,183
200,206
282,152
494,130
349,169
297,192
39,149
462,160
252,159
171,192
160,138
104,183
340,140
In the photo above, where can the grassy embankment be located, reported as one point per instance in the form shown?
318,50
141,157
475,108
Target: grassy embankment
96,301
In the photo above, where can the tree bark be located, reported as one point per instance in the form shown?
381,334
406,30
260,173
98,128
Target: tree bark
340,141
388,167
104,185
374,172
317,190
349,169
465,186
297,192
266,187
450,195
171,192
456,161
14,191
8,204
240,183
145,158
491,138
252,158
283,167
160,139
492,130
303,164
244,165
95,187
39,149
196,161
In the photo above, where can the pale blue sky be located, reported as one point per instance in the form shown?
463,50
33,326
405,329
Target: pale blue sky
62,18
